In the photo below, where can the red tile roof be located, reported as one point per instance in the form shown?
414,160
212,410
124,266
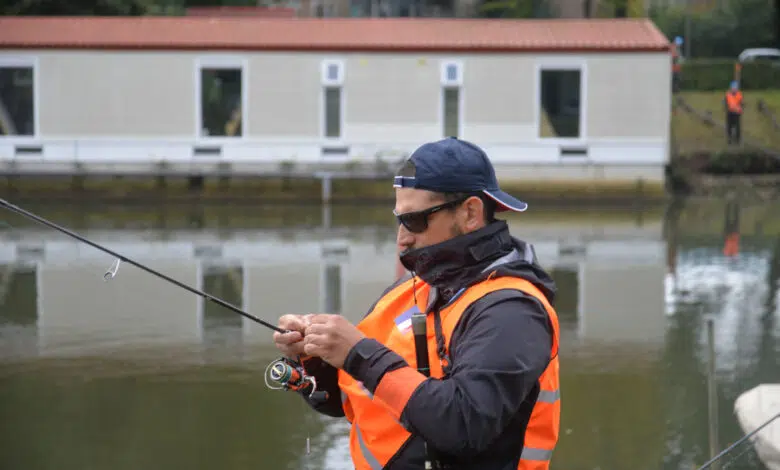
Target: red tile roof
331,34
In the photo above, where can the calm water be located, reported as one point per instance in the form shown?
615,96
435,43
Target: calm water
136,373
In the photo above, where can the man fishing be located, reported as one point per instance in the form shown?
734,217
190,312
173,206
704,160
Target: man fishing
489,398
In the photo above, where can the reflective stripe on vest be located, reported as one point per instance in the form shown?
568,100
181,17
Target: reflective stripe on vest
376,436
734,101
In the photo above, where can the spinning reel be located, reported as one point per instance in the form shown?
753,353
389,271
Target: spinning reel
290,375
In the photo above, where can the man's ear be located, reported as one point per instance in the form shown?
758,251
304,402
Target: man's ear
474,213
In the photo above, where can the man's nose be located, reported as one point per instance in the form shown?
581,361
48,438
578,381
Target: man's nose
405,238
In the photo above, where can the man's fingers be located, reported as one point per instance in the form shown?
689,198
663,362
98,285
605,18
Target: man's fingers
319,318
287,338
312,349
316,329
292,320
319,340
291,343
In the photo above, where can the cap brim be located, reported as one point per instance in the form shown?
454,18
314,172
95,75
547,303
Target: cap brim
506,202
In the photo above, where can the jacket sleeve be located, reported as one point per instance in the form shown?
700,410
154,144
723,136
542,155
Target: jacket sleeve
327,380
498,356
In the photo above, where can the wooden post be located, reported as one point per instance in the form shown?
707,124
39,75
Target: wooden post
325,178
712,393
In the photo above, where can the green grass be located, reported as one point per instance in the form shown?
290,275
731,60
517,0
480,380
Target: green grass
690,134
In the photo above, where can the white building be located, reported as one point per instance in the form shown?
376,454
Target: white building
569,98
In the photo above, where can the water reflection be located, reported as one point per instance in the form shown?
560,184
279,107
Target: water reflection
144,370
77,310
222,331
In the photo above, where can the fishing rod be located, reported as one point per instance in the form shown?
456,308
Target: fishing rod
288,373
111,272
733,446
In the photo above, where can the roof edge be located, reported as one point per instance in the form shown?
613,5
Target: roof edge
656,31
336,48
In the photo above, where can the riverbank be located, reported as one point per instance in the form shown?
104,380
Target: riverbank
280,189
690,134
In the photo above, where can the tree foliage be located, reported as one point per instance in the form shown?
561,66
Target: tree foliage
109,7
722,32
777,23
76,7
623,8
514,9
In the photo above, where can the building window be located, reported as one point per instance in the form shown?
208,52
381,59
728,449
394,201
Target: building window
221,101
332,99
451,111
451,81
17,99
559,103
333,112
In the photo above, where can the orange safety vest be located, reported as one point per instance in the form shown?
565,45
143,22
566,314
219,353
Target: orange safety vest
376,435
734,102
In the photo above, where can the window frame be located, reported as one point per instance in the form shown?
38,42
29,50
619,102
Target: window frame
445,81
26,61
445,84
325,83
224,63
561,65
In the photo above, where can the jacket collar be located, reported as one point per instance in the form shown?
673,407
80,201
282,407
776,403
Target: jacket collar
452,264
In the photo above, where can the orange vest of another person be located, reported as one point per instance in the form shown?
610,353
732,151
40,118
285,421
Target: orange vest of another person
376,435
734,102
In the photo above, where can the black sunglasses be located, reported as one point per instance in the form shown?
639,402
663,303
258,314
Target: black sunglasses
417,222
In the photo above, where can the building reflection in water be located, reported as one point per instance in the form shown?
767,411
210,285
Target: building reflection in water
56,292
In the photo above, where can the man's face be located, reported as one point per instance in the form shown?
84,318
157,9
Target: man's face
455,219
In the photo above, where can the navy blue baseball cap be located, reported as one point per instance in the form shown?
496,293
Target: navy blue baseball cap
452,165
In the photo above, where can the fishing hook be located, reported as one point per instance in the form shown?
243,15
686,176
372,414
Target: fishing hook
111,272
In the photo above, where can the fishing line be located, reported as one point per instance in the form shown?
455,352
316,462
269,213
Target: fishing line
728,463
112,271
733,446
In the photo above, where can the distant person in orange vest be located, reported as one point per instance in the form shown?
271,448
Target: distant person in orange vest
734,105
489,397
676,63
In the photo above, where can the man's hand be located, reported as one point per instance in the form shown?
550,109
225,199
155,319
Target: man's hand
291,344
330,337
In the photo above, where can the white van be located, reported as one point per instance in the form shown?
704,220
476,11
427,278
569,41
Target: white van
760,54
